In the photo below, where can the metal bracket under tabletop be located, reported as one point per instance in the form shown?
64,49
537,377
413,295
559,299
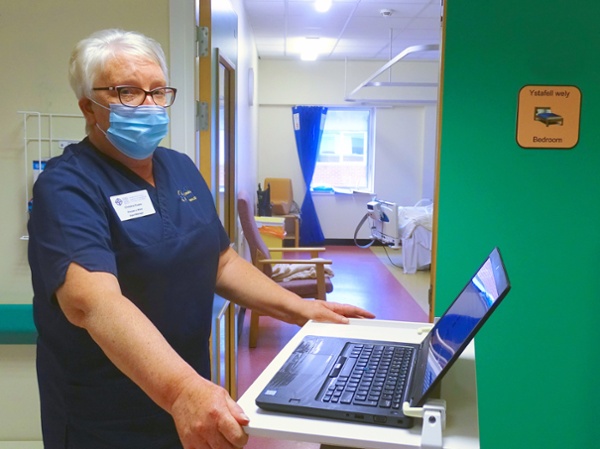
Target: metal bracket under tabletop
433,414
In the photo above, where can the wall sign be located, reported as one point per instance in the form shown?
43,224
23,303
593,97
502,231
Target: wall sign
548,116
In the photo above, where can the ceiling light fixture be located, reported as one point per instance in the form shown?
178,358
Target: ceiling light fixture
310,49
322,5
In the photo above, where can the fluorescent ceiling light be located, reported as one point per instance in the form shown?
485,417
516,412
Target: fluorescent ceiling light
322,5
310,49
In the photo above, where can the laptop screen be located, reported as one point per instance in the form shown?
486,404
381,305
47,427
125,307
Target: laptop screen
457,327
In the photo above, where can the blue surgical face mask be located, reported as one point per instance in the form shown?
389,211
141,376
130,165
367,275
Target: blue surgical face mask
136,132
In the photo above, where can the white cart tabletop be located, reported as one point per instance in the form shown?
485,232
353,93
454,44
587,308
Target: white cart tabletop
458,390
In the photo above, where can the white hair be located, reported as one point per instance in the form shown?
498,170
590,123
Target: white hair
90,56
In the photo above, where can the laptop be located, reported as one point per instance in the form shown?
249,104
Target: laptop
370,380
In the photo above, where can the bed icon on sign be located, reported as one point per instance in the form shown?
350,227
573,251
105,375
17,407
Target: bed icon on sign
545,115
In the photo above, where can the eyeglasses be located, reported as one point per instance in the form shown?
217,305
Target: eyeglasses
133,96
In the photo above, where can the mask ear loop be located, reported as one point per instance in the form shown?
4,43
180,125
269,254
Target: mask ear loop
102,131
102,106
95,102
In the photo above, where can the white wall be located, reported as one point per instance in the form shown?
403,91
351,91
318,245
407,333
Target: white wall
405,134
19,403
247,134
182,75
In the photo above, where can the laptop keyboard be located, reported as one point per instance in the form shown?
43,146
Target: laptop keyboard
371,375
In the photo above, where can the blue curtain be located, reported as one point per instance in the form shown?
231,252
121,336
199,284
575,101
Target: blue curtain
308,128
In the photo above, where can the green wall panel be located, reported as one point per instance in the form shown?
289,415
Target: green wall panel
537,358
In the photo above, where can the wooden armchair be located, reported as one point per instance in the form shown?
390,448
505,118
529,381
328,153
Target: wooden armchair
261,258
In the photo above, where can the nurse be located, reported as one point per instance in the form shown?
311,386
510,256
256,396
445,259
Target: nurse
126,252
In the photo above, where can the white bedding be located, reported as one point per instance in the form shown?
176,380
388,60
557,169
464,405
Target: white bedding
411,217
415,230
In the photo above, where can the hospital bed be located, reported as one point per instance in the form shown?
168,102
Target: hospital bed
407,227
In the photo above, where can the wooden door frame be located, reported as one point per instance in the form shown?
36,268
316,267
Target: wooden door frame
229,194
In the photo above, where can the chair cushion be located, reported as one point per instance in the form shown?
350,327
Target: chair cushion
283,272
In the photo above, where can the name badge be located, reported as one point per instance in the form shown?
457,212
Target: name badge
132,205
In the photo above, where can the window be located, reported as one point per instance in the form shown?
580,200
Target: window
345,157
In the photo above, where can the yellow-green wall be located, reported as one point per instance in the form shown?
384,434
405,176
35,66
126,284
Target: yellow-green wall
537,357
37,37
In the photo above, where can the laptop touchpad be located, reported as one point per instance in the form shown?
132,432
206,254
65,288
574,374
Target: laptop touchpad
302,364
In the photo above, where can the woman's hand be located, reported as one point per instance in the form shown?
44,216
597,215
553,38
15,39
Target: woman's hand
330,312
207,418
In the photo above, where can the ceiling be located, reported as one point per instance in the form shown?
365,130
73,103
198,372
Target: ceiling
351,29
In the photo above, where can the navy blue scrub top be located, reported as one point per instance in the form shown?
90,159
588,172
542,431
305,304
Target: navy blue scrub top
166,263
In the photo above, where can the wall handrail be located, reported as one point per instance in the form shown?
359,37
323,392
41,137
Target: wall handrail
16,324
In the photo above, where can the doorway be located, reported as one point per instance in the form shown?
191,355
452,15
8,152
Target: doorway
226,160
